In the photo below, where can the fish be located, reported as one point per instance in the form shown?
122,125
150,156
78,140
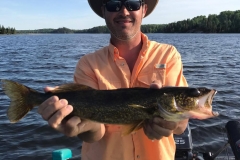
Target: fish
128,107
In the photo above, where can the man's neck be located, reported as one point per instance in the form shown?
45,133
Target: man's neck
129,50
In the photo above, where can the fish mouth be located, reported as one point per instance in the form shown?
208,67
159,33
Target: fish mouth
205,102
211,95
210,99
202,109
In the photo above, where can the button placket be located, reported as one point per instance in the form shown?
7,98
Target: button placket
137,152
122,65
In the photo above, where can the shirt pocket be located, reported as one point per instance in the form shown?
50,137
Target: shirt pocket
147,78
159,74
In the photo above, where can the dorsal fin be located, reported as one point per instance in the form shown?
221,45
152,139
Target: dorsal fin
71,87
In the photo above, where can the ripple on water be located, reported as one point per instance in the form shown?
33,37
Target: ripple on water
49,60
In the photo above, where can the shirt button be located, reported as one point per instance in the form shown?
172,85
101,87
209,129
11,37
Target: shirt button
138,156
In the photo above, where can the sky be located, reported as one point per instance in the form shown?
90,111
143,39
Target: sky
76,14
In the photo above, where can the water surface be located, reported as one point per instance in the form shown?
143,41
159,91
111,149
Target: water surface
39,60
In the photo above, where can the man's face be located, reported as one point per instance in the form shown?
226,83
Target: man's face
124,24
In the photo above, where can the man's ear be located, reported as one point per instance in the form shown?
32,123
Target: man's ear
144,10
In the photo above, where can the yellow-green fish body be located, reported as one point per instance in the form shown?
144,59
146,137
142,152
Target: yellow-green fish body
126,106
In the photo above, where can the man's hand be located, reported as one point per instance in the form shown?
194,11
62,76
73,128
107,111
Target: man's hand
157,127
54,110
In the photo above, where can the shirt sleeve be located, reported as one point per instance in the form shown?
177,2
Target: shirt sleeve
174,70
84,74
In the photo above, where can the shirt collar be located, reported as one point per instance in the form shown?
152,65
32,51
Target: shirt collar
115,54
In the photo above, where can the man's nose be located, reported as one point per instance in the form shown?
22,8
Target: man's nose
124,10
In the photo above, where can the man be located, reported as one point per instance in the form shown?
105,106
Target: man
130,60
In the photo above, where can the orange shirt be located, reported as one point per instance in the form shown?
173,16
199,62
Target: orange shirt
105,69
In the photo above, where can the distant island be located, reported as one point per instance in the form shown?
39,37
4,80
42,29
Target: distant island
225,22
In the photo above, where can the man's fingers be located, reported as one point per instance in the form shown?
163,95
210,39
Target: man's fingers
157,128
56,119
47,89
56,112
165,124
160,131
150,132
70,128
50,110
49,102
156,84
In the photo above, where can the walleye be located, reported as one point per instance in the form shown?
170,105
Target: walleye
126,106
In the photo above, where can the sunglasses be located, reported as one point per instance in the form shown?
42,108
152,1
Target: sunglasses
116,5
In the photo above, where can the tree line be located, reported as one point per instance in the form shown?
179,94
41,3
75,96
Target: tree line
7,30
225,22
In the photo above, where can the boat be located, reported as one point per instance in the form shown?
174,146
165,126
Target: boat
184,146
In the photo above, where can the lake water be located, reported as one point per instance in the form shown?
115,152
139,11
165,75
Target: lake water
210,60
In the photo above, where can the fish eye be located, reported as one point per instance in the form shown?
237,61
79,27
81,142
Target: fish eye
194,92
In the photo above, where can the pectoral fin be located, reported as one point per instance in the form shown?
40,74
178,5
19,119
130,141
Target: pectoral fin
127,129
136,106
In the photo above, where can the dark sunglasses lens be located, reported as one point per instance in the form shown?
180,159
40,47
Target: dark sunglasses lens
113,6
133,5
116,5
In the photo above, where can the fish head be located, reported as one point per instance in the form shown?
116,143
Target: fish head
196,103
182,103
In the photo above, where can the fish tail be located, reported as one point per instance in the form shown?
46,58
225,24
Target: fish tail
21,99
